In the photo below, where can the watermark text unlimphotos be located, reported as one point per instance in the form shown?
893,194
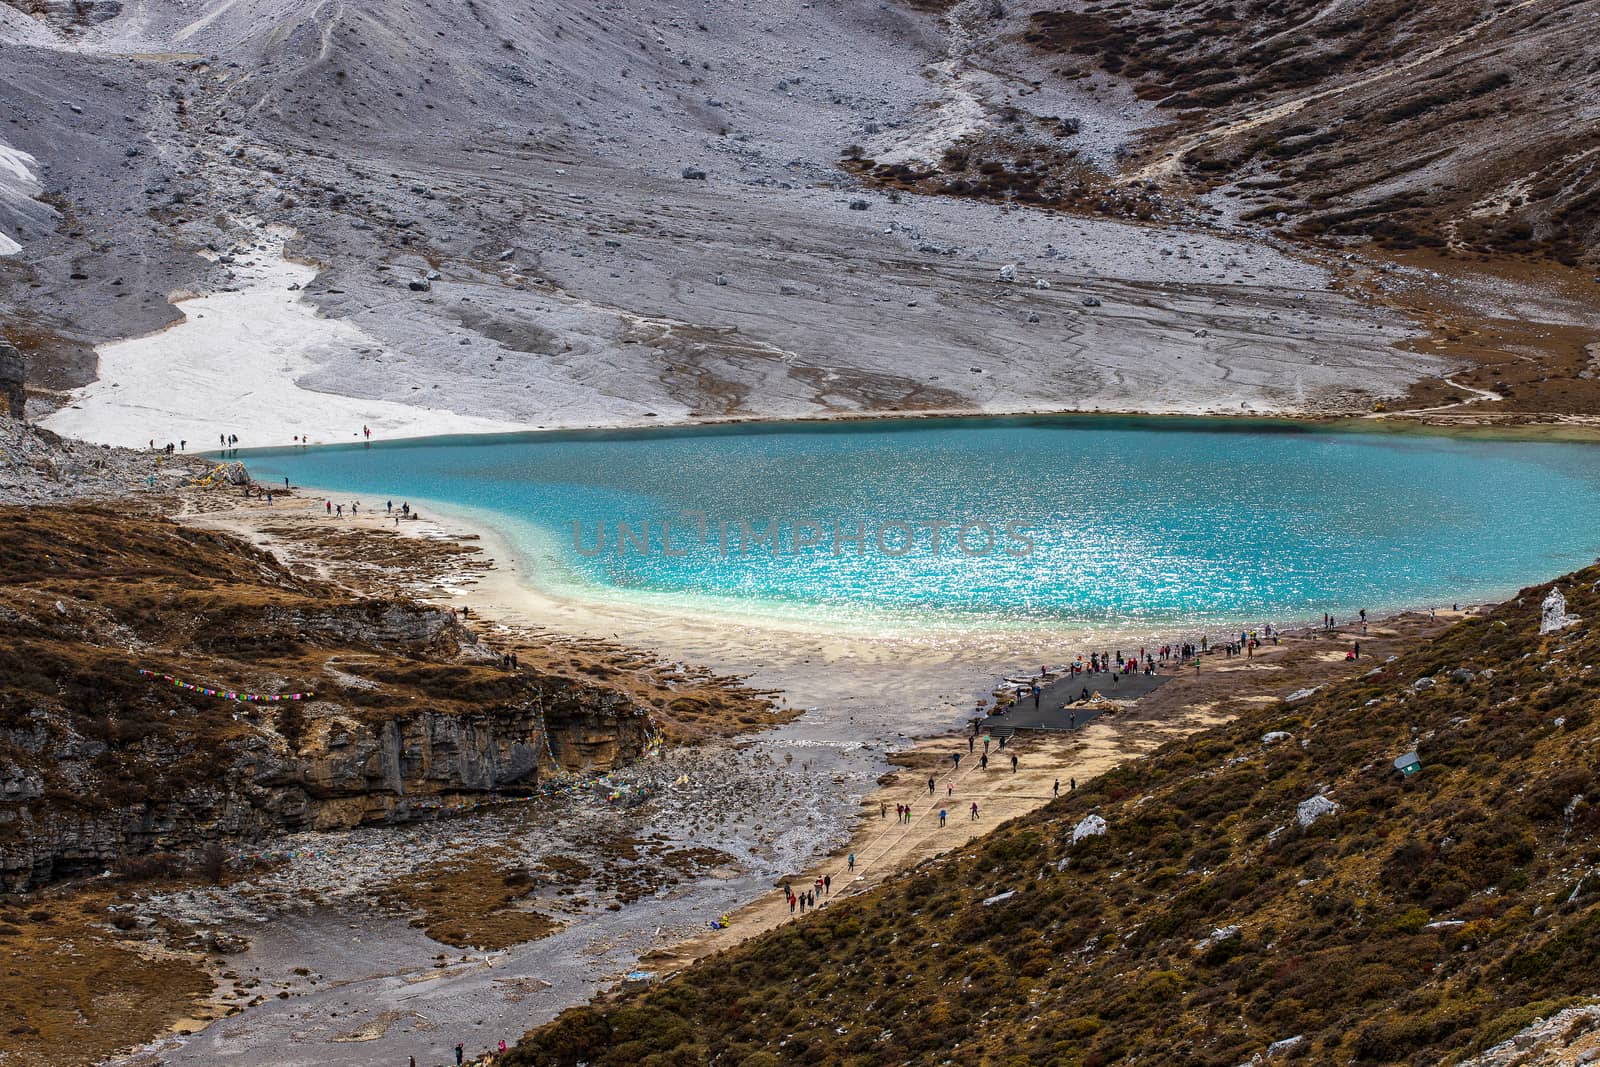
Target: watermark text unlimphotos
694,531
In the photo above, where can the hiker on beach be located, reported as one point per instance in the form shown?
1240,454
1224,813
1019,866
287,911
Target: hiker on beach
930,785
1058,787
983,762
1013,763
458,1054
850,862
974,811
827,884
941,816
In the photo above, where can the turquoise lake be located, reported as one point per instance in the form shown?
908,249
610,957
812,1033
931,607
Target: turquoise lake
1133,523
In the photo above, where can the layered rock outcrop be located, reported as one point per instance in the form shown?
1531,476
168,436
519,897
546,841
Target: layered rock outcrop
343,773
104,760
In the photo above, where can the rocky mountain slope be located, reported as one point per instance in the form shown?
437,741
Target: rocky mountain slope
410,712
570,214
1272,888
1468,124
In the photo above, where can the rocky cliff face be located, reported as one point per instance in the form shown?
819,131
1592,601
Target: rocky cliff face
12,375
342,773
412,716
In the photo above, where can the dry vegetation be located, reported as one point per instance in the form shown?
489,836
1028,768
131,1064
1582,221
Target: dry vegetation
687,703
1430,915
474,902
78,979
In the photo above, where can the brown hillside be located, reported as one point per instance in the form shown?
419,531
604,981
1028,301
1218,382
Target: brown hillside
1424,917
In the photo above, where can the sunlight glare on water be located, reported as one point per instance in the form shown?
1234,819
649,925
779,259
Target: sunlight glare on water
1120,522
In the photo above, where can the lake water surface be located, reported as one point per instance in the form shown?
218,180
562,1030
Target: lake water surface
1125,523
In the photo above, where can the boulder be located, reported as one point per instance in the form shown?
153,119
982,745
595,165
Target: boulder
1553,613
1089,826
1309,811
1008,273
1091,301
419,285
693,174
1283,1048
12,375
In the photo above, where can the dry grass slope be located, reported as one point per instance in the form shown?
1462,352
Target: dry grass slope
1430,915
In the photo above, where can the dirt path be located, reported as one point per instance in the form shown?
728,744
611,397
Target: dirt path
1189,703
884,847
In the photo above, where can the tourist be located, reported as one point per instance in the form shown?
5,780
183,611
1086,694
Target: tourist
930,785
329,505
1013,763
983,762
1073,788
458,1054
1037,692
850,862
941,816
827,884
1058,787
974,817
883,809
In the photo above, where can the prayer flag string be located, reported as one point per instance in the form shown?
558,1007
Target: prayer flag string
227,694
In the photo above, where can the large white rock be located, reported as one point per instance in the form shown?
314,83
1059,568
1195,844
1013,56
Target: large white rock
1553,615
1311,810
1091,826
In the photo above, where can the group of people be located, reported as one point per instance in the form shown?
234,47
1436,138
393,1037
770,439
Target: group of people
485,1059
807,898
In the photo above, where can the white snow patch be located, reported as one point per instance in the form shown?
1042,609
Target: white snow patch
233,366
18,184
